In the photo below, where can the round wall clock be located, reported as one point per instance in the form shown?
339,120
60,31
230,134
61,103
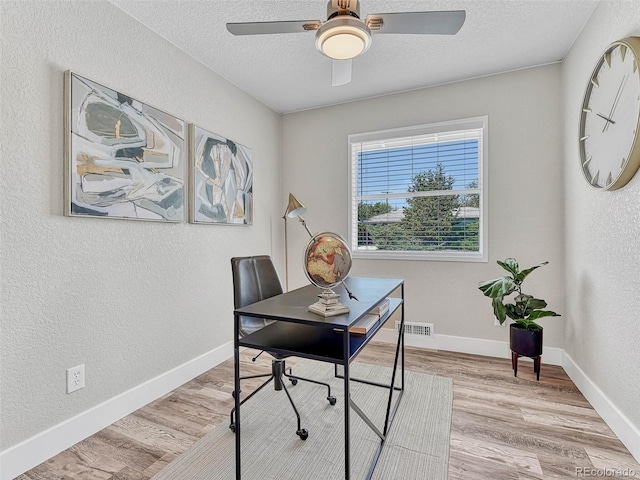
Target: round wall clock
609,122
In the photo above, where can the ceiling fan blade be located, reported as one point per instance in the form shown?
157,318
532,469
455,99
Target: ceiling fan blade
266,28
431,23
340,72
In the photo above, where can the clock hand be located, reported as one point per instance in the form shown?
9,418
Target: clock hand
618,96
616,100
607,119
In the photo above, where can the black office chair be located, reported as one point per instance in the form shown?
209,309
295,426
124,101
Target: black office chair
255,279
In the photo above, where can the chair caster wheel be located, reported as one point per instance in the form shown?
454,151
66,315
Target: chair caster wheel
332,400
303,434
294,381
232,427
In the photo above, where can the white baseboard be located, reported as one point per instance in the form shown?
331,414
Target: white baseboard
39,448
626,431
475,346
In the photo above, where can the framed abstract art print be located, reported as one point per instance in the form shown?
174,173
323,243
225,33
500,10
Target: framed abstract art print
124,158
221,179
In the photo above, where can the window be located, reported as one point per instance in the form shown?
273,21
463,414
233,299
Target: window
418,192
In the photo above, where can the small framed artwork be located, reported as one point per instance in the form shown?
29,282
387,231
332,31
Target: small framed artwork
221,179
124,159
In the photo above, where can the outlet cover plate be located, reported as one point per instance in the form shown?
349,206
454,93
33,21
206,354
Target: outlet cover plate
75,378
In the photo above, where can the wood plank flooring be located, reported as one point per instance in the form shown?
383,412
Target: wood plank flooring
503,428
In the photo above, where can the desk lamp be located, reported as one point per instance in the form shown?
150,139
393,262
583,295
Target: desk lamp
296,209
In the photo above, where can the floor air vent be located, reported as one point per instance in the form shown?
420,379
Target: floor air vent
414,328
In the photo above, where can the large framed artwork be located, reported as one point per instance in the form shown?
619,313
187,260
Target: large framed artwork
124,158
221,179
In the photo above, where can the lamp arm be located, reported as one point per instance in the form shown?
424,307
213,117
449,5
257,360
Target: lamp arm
304,224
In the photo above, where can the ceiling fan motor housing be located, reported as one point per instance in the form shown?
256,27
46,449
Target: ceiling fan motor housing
343,7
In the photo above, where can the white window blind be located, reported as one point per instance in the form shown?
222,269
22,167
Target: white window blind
419,192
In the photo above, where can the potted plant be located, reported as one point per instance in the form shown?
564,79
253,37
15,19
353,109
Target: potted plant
525,335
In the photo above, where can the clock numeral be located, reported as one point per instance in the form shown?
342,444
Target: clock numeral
607,58
608,179
635,65
624,161
588,110
594,179
623,51
584,138
595,83
587,161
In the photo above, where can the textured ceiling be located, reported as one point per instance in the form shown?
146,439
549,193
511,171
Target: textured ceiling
286,73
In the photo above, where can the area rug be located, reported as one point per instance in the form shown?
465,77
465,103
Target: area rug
417,446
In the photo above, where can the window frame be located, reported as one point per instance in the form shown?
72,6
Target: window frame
480,122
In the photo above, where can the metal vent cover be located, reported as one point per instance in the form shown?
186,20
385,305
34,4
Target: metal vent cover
416,328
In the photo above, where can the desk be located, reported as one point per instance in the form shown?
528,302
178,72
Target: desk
300,333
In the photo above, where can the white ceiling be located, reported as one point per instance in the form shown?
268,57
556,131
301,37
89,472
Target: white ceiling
286,73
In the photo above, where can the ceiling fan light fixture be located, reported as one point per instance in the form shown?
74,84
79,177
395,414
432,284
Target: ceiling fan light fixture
343,38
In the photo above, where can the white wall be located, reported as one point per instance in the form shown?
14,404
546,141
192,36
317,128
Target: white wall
130,300
525,196
602,325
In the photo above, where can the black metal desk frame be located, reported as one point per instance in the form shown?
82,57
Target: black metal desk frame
300,333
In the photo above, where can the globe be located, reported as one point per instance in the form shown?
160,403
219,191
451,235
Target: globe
327,260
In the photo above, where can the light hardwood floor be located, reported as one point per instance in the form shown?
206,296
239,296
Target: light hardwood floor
503,428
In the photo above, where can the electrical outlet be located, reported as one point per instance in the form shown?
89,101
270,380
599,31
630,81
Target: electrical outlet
75,378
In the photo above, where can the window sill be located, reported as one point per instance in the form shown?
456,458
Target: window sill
426,256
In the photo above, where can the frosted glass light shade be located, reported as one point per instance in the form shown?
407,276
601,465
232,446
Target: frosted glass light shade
343,38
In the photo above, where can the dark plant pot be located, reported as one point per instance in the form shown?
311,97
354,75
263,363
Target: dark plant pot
526,343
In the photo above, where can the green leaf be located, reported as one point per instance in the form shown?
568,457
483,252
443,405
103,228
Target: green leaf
499,310
527,304
542,313
523,274
510,265
536,304
498,287
513,311
522,302
522,299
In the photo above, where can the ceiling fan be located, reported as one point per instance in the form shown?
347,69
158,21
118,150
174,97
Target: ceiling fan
345,35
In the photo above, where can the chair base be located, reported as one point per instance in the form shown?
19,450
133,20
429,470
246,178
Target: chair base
278,372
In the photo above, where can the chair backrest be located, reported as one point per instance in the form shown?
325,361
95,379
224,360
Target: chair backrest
254,279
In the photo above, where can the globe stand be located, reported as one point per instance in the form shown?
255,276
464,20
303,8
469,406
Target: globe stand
328,304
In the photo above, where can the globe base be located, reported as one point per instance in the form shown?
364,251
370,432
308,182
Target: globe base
328,305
